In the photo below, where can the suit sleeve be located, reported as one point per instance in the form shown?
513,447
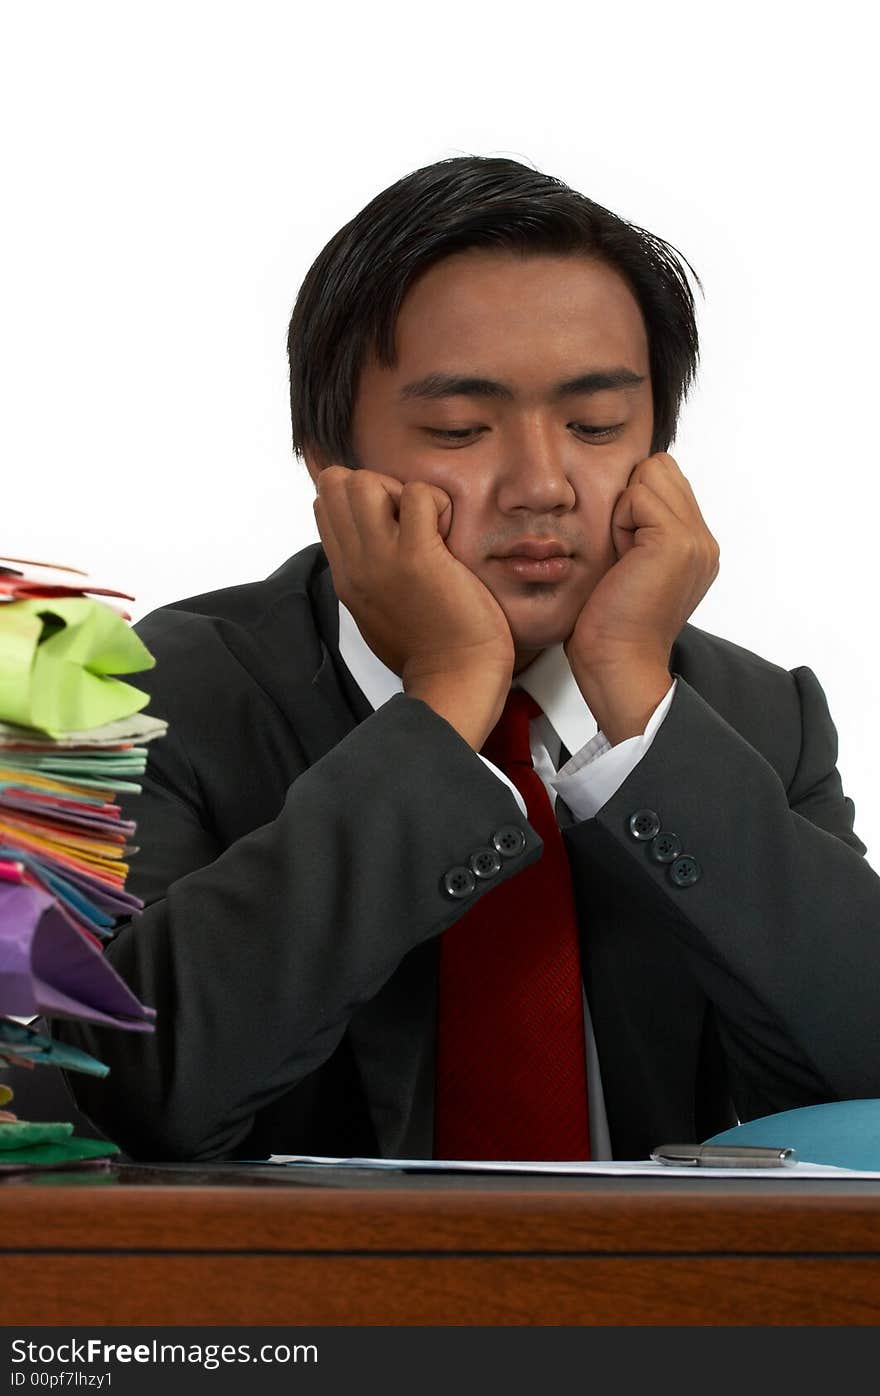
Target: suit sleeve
782,926
256,955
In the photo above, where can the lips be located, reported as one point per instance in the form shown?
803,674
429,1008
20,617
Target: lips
532,548
555,568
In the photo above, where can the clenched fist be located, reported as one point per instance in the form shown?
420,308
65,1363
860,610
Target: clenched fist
667,559
421,611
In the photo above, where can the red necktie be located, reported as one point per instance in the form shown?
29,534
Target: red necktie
511,1072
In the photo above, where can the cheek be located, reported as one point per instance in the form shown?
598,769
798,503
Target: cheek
597,499
470,494
463,539
597,494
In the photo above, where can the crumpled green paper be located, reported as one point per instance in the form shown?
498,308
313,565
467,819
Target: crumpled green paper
22,1134
57,658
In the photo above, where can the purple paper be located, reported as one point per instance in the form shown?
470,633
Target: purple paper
100,892
48,967
48,815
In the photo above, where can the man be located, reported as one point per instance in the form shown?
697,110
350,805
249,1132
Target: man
356,938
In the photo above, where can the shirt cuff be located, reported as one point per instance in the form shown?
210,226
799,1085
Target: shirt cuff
596,772
501,776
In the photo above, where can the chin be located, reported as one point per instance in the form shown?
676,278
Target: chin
539,636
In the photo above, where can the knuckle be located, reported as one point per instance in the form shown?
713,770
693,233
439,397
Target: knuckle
689,546
360,483
414,494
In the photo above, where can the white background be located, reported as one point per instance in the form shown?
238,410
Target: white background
171,171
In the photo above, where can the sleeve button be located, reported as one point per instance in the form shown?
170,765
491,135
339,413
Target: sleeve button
486,862
459,882
644,824
664,848
685,871
509,840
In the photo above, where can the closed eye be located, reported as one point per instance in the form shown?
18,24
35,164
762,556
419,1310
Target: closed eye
463,433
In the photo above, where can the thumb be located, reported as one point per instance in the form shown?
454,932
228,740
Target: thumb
440,499
444,511
623,525
425,510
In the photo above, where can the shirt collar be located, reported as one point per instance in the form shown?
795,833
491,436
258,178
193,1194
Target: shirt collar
548,679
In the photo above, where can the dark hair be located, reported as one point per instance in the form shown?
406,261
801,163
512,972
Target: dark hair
348,303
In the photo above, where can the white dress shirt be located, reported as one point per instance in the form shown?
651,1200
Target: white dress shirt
589,778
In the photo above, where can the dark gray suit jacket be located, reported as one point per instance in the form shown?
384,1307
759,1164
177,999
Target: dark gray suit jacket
293,848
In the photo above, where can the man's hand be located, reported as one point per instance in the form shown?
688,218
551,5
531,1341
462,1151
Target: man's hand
667,560
421,611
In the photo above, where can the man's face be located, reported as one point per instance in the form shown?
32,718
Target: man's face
526,463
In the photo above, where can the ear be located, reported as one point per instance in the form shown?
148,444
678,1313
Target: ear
315,460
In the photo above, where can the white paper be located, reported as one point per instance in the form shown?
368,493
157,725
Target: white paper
137,728
617,1168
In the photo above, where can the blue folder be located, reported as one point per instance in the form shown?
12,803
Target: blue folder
845,1133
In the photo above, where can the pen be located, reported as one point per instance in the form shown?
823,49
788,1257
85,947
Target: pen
724,1156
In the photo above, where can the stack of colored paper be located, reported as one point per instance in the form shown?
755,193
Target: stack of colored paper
60,826
72,739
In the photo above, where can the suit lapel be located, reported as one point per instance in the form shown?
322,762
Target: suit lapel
332,683
392,1036
292,652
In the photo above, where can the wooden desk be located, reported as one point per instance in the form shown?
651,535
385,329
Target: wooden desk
201,1245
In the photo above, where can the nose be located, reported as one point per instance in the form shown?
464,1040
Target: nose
534,475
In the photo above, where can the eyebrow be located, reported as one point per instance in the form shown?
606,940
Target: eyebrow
441,385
